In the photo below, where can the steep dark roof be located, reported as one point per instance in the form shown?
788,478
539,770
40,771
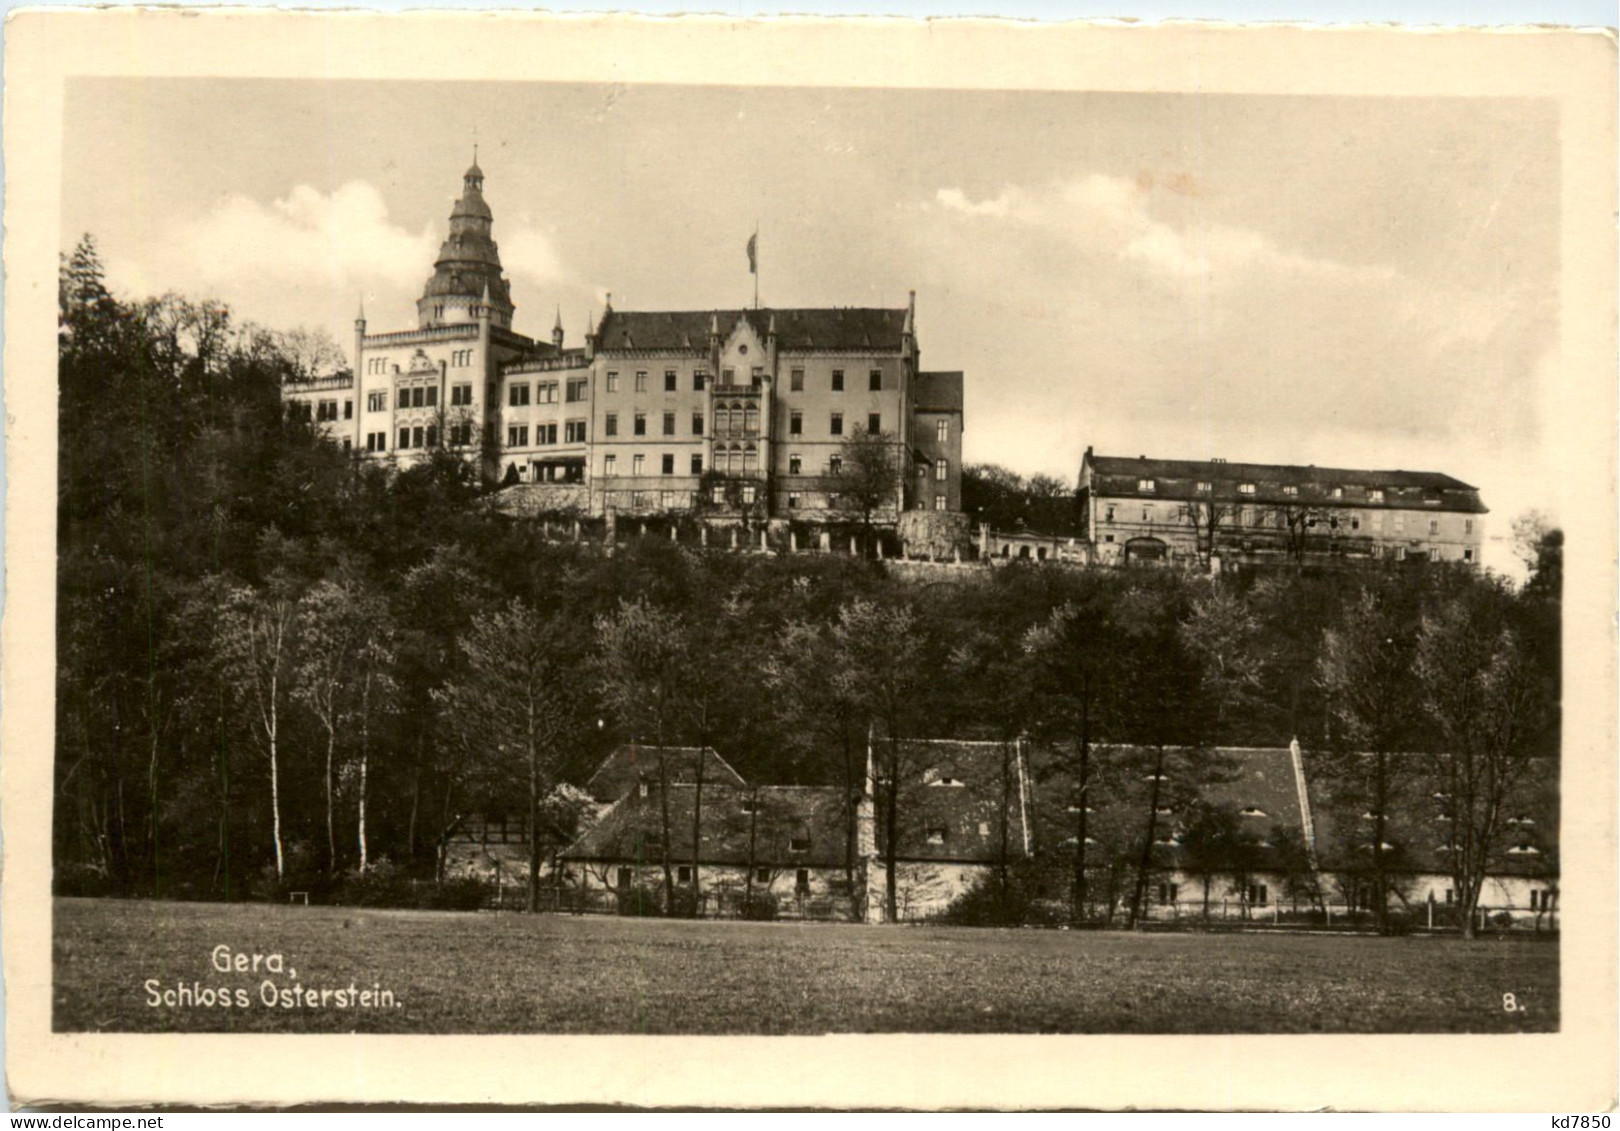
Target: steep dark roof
629,765
1178,479
969,814
939,392
1257,782
836,328
814,817
1262,779
1415,824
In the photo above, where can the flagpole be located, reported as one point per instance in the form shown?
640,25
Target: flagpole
756,264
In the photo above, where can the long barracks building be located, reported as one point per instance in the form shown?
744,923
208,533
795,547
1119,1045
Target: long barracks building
725,411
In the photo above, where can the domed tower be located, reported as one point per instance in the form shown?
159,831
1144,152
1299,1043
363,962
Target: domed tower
468,264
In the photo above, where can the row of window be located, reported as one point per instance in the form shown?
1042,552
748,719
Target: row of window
1206,487
418,437
459,359
575,391
421,396
1261,517
667,500
683,875
728,379
610,424
672,379
326,410
638,464
835,423
517,435
874,380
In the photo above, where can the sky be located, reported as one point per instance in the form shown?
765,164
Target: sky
1364,282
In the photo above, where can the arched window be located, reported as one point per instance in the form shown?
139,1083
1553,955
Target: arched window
751,421
750,459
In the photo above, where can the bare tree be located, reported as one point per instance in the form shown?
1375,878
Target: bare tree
330,637
871,476
1207,516
1483,699
1365,672
514,698
877,650
826,717
641,667
1222,636
1070,655
308,353
256,636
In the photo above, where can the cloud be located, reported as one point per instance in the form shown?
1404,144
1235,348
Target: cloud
308,257
956,200
1115,311
531,253
1106,211
343,242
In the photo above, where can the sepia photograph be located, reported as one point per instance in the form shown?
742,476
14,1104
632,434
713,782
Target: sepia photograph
546,554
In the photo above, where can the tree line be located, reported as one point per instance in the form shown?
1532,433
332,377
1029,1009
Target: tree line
278,663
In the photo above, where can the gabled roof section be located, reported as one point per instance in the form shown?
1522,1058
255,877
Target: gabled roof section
807,329
633,763
1416,827
1179,479
939,391
794,827
1260,785
951,801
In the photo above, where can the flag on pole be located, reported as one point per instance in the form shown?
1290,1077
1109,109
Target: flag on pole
753,254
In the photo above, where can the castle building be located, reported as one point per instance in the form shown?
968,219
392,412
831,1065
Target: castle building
1145,509
723,412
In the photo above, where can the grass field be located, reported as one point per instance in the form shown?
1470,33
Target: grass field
487,973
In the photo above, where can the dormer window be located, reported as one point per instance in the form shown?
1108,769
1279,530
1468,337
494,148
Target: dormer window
1376,495
1524,850
1254,811
1520,821
799,843
1146,486
1290,489
1205,488
1245,488
1338,492
936,834
950,782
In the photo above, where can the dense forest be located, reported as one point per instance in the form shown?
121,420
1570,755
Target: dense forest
275,660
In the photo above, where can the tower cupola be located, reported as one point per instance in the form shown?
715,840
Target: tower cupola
468,266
